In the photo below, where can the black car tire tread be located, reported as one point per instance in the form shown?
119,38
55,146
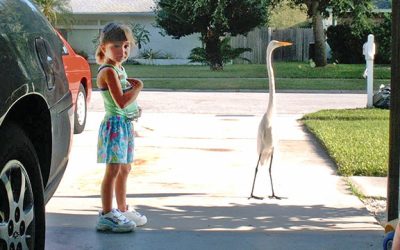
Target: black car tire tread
17,146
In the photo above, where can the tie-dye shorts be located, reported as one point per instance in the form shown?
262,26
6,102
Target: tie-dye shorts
115,141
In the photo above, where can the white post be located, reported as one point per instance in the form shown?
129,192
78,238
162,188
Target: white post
369,53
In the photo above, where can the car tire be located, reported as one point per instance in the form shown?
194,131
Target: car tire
80,111
22,209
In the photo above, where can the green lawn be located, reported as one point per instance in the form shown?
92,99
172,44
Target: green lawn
290,75
356,139
258,84
282,70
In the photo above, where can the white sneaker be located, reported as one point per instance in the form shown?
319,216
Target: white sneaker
136,217
114,221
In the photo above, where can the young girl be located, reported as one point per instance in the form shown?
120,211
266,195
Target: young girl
116,135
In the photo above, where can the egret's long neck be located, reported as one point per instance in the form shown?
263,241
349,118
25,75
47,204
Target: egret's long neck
271,81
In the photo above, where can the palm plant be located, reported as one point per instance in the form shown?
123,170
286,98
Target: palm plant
142,36
56,10
228,53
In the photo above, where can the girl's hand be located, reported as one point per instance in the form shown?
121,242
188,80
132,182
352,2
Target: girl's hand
135,83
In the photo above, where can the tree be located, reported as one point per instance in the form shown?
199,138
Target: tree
55,10
358,11
213,19
285,16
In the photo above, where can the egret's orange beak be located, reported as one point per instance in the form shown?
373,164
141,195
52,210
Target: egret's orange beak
285,44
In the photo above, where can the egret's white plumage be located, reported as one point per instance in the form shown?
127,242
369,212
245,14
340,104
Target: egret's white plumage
266,137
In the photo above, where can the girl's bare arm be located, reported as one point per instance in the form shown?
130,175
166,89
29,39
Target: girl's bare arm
135,81
122,99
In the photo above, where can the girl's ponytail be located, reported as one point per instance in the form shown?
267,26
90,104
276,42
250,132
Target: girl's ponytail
99,55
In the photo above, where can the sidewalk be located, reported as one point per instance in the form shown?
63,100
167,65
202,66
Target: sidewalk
375,187
193,175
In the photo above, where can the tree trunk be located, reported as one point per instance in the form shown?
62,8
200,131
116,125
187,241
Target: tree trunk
319,36
213,51
394,131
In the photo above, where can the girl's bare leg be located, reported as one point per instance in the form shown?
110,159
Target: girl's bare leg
120,186
107,186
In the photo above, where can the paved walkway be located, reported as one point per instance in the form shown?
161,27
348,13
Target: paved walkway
196,154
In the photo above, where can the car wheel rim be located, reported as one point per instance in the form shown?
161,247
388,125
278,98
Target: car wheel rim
17,225
81,108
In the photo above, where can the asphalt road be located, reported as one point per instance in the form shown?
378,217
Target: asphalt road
195,159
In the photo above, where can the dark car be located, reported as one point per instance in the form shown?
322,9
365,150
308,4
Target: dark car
36,121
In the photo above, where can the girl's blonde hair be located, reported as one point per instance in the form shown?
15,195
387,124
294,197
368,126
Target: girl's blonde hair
113,32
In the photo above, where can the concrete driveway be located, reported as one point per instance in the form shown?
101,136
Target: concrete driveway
195,160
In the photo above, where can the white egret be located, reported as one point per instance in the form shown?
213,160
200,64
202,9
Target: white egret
266,137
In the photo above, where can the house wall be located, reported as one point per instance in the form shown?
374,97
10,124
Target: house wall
87,27
81,40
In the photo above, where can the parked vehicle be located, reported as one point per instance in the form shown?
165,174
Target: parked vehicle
80,83
36,120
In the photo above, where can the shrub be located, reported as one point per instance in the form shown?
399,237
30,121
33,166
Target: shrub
150,54
346,47
383,40
131,61
228,53
154,54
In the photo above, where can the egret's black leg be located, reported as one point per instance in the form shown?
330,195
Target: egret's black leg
273,196
254,181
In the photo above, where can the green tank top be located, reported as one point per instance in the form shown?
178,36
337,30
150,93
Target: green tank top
111,108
